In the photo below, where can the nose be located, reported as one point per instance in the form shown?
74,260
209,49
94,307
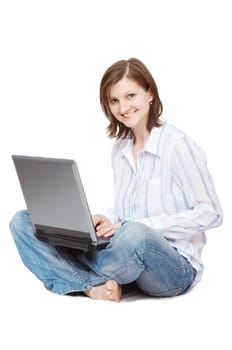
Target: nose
123,107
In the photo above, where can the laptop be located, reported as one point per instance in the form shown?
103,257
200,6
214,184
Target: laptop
56,201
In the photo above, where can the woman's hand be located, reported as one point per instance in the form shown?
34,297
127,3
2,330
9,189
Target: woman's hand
103,226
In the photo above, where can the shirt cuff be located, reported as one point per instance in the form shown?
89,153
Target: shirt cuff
153,222
110,214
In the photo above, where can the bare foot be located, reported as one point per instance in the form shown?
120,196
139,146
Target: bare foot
109,291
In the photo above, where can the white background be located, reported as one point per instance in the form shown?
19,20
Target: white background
52,57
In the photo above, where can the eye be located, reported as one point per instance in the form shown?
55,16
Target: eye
130,96
113,101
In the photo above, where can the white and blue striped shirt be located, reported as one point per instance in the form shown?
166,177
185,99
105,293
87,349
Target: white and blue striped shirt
170,190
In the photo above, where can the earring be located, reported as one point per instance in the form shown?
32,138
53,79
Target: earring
150,102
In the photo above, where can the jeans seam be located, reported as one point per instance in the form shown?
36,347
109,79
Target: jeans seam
170,292
124,267
74,273
170,260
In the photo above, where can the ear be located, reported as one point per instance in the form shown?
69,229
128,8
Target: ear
151,95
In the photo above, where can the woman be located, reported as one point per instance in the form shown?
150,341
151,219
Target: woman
164,202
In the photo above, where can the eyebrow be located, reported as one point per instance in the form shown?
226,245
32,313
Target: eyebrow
125,93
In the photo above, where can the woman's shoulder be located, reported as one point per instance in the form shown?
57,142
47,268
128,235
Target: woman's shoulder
171,130
175,134
179,138
168,136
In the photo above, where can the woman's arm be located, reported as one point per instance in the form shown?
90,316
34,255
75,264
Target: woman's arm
189,170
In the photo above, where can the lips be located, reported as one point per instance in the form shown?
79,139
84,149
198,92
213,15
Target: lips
129,115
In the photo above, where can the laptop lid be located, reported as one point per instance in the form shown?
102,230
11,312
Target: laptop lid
54,195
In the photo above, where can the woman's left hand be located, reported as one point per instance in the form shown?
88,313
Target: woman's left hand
107,229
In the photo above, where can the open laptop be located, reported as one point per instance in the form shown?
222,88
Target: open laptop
56,202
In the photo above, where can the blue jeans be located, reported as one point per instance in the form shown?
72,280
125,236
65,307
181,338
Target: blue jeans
135,253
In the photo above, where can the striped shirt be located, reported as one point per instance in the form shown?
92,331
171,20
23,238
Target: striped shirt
170,190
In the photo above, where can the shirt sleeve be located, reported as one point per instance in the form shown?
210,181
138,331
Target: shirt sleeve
111,214
189,170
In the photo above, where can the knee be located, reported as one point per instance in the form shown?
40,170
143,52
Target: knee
18,222
131,234
138,236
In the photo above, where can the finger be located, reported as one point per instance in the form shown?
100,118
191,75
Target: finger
100,227
109,233
99,219
102,232
105,230
104,227
99,233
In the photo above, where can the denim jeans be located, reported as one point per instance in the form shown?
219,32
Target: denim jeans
135,253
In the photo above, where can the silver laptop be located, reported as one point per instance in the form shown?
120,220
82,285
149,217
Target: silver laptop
56,202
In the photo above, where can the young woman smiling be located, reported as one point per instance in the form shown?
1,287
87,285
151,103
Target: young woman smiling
164,202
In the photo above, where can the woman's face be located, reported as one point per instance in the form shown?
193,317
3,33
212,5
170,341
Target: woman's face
130,103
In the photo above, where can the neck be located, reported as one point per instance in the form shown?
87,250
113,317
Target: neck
140,138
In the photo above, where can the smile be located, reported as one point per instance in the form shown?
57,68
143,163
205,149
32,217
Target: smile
129,115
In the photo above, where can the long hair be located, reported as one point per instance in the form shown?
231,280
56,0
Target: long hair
135,70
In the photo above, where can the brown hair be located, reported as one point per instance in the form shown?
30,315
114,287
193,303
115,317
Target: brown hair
137,71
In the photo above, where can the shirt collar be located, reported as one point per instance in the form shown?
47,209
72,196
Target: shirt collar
153,143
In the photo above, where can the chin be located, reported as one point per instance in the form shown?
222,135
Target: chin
130,123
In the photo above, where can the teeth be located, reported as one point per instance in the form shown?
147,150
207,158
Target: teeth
128,115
